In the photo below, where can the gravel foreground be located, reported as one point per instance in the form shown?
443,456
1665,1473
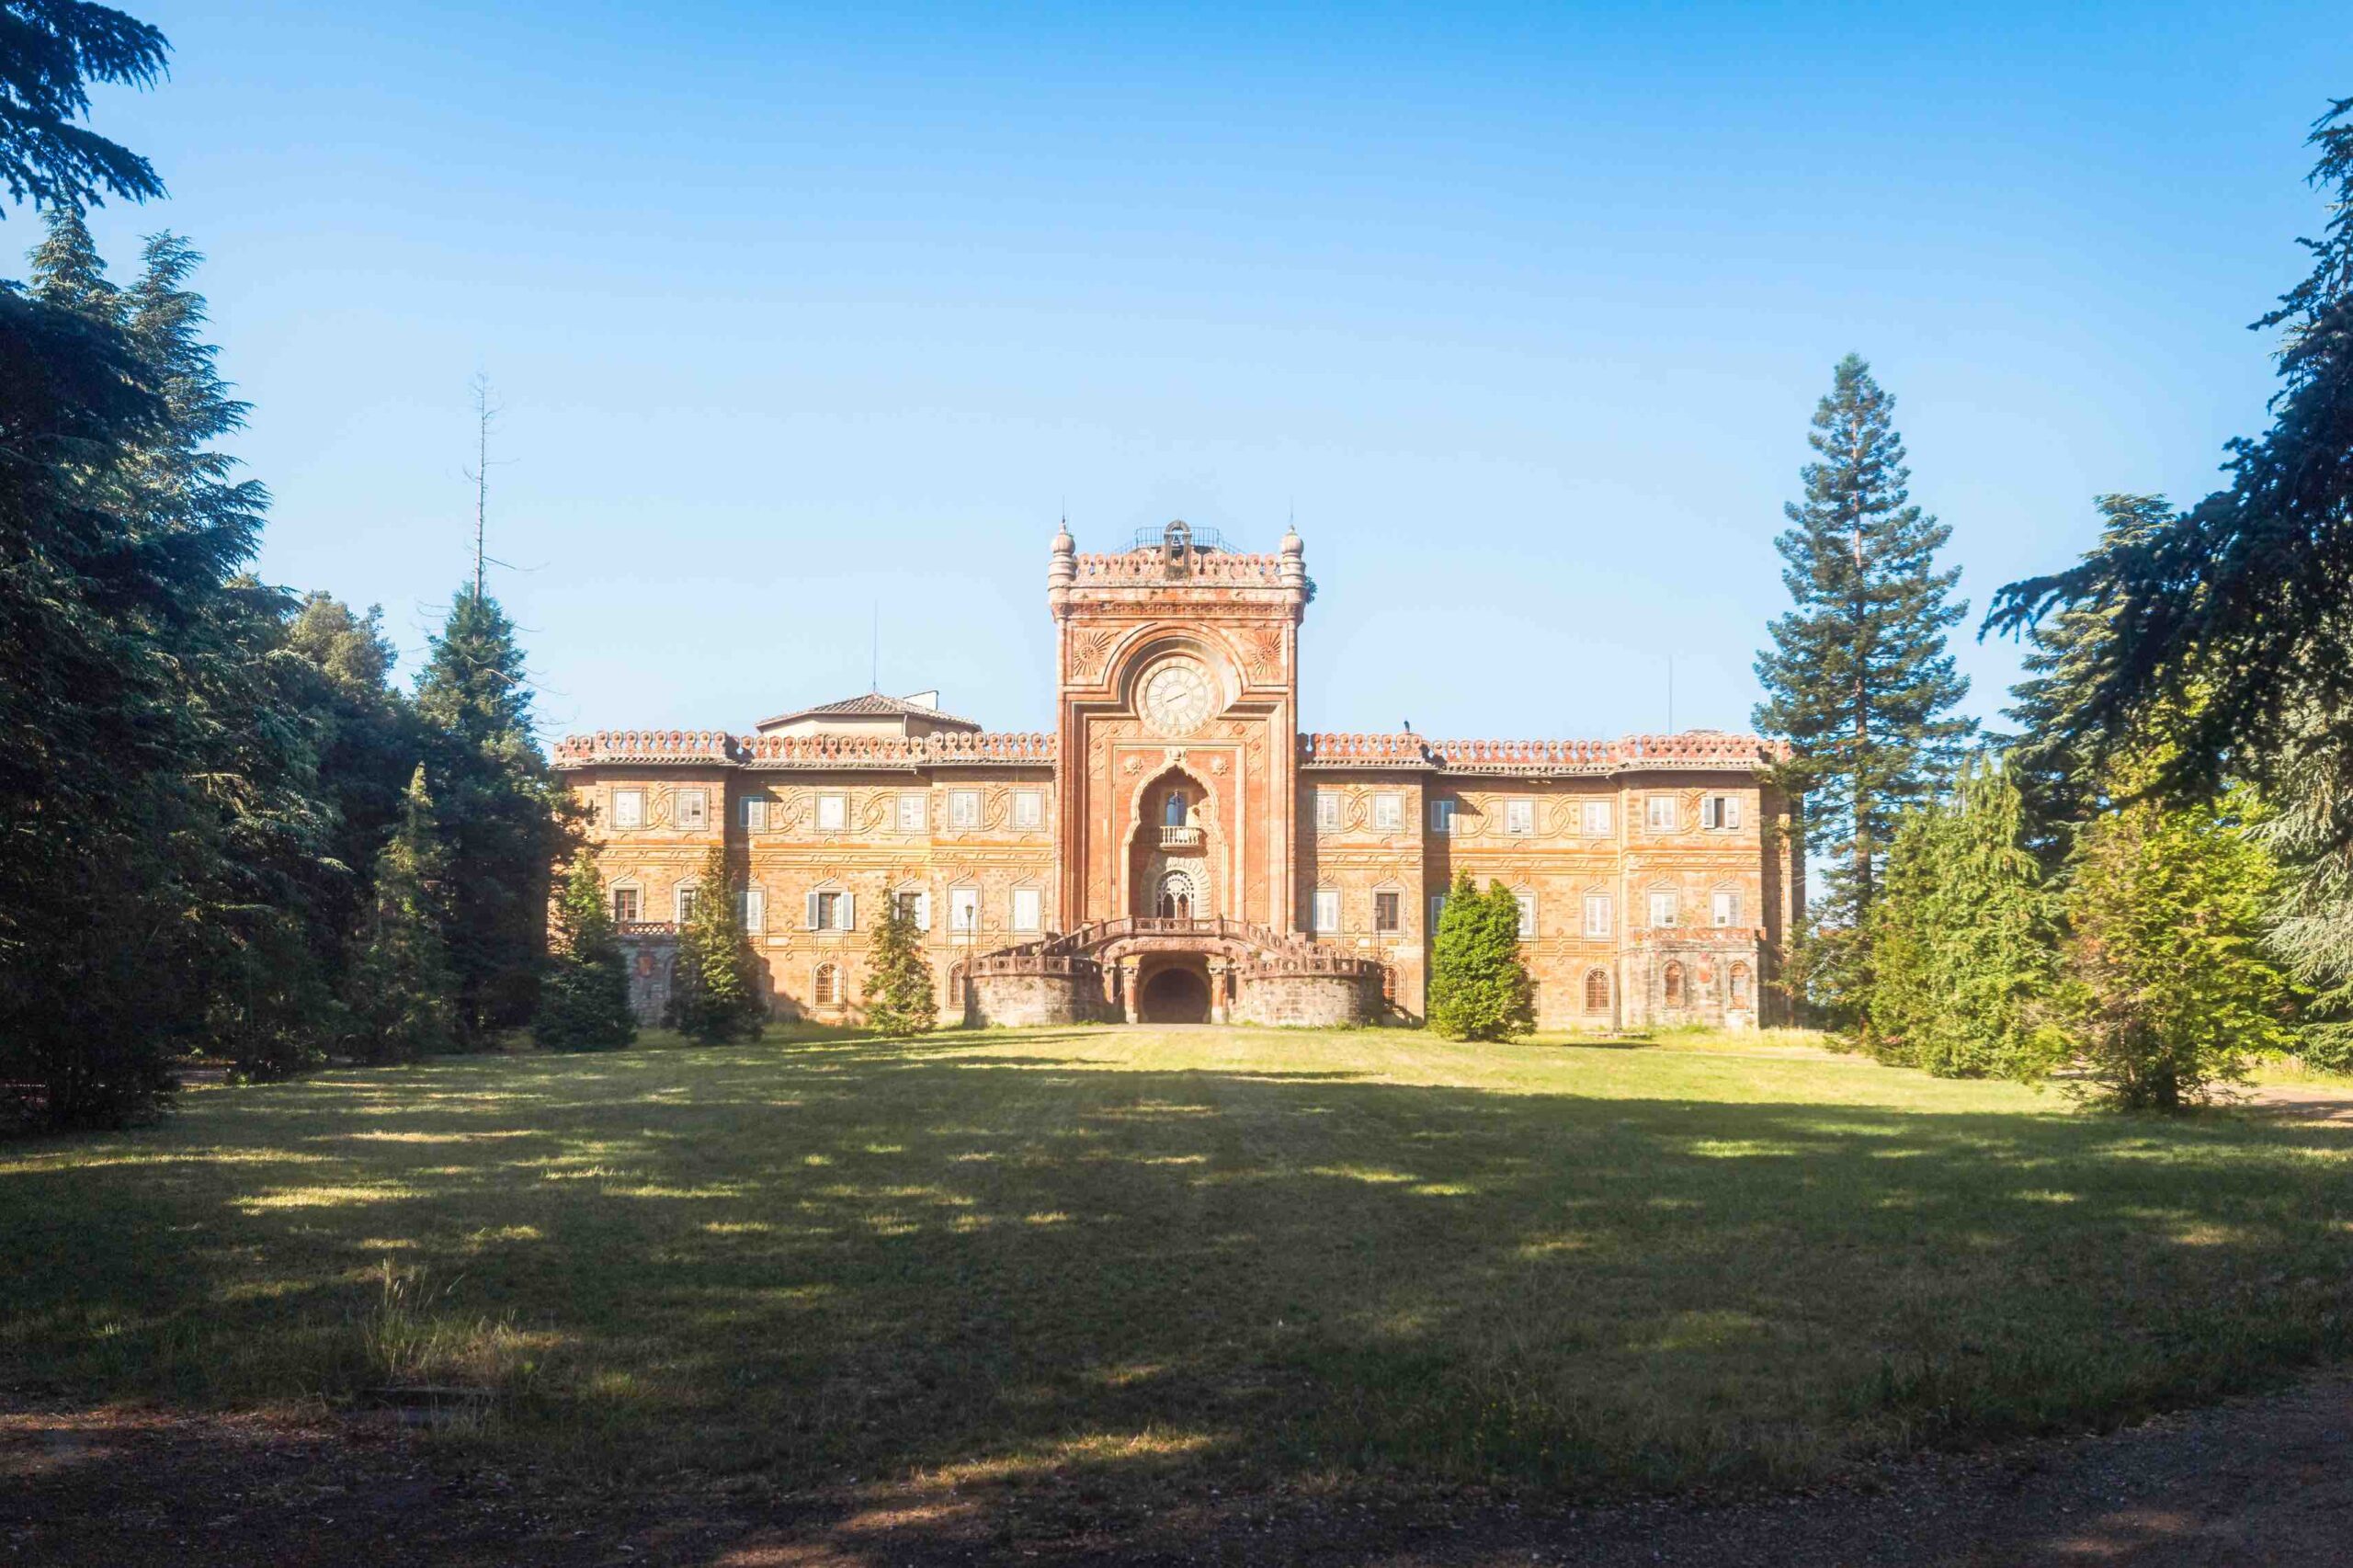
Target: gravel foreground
2263,1479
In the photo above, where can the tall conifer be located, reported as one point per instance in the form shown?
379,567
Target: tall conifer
402,992
498,810
715,990
1858,679
899,997
583,1000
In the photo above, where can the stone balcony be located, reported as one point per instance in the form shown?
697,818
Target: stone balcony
1180,838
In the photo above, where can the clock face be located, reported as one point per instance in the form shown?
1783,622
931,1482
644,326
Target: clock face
1177,698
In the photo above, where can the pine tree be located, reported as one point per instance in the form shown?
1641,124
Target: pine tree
715,991
1963,960
168,878
2059,763
583,1000
53,52
899,997
1479,987
2229,623
2168,985
499,812
402,990
1858,679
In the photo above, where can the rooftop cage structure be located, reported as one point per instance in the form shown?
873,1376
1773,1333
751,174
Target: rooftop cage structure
1180,536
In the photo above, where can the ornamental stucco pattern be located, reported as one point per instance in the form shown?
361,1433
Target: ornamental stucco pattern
1175,839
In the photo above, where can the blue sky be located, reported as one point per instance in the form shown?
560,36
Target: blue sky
1523,310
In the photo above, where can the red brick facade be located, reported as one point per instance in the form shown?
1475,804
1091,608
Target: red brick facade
1660,874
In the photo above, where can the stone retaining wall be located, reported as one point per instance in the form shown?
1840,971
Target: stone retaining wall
1016,999
1306,1000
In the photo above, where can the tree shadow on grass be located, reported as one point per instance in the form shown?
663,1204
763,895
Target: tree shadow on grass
970,1263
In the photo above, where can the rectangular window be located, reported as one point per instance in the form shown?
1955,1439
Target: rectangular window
831,911
1526,901
1437,907
1327,909
1327,810
686,899
1386,913
1722,812
916,906
964,909
913,809
963,808
755,813
1596,819
625,906
1519,817
693,809
1661,813
1388,812
1028,808
628,808
1724,907
1442,816
1024,909
1596,915
752,908
833,812
1662,908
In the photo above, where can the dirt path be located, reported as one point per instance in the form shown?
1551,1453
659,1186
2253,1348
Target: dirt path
2258,1481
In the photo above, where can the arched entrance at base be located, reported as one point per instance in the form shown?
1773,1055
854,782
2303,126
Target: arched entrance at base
1176,995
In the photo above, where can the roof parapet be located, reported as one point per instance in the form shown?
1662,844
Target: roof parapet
1691,750
717,748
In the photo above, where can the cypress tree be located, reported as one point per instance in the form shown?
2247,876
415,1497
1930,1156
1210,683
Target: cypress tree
899,997
2168,985
1479,988
499,812
714,992
1962,954
583,1000
1857,679
402,991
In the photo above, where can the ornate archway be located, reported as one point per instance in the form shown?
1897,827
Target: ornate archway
1177,896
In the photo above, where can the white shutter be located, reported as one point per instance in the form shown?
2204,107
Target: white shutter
1732,810
923,911
756,909
811,922
849,912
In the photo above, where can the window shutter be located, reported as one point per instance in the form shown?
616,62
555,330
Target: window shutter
923,911
849,912
755,909
1732,812
811,917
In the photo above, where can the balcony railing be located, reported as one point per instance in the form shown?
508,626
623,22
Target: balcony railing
1180,838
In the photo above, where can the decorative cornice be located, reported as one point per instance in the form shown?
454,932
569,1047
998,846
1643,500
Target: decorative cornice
709,748
1697,751
1691,751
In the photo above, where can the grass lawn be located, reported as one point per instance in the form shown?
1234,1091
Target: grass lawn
1317,1258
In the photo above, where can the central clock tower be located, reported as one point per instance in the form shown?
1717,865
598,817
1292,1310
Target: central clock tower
1177,716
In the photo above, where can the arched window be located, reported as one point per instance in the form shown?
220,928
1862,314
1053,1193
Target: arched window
1597,990
1738,981
1174,900
1178,813
1673,984
826,991
956,985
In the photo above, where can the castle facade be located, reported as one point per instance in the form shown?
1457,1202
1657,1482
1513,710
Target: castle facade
1177,848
